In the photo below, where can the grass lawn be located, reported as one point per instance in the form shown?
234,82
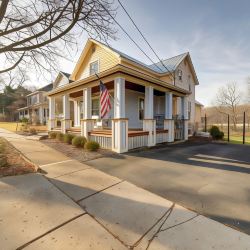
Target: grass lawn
11,126
236,139
14,126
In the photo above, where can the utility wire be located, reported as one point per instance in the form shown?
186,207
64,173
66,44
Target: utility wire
130,37
144,38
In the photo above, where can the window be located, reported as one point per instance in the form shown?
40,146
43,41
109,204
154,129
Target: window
95,107
189,83
189,110
180,75
93,68
141,108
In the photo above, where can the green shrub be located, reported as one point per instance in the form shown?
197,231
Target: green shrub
24,120
216,133
52,135
79,141
92,145
68,138
59,136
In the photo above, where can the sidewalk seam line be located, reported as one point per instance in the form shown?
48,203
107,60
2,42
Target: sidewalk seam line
50,231
97,192
72,172
54,163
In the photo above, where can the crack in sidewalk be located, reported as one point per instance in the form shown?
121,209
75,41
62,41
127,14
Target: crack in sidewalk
50,231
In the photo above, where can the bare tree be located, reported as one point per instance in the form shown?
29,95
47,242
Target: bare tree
228,99
37,32
13,79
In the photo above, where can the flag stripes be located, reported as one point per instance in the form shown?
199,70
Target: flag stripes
105,104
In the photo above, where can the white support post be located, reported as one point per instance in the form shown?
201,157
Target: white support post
169,122
179,107
78,114
149,123
52,110
119,123
87,123
76,123
66,123
184,108
40,115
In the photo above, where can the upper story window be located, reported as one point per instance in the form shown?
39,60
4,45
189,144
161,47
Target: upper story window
93,68
180,75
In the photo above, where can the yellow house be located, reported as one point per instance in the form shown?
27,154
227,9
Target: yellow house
150,103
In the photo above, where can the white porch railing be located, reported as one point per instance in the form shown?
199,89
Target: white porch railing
161,136
105,141
137,140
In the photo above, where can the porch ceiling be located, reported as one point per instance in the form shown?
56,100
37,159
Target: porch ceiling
110,85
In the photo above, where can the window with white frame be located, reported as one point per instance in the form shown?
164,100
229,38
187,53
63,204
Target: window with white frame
95,107
93,68
180,74
141,108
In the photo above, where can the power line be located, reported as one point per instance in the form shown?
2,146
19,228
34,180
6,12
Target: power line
131,38
144,38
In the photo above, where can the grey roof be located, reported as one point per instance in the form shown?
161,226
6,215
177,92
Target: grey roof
66,74
170,63
46,88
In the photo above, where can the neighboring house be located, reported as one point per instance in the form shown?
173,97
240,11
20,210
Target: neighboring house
36,111
150,103
199,116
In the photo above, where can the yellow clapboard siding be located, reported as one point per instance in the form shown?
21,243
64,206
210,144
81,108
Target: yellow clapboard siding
106,60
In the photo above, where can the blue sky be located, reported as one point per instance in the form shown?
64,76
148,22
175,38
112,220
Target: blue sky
215,32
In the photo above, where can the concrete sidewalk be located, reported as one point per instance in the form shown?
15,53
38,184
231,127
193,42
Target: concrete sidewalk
73,206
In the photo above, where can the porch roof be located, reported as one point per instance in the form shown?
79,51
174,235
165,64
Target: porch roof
128,73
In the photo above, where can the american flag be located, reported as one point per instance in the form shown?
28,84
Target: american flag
105,103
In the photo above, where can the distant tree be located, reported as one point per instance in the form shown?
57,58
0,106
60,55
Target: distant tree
228,99
13,79
37,32
11,99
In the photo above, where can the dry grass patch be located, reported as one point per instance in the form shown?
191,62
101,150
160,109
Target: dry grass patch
12,163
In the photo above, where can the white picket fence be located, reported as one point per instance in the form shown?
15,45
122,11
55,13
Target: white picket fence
161,137
104,141
137,141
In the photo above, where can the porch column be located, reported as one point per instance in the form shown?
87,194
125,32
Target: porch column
52,110
149,123
179,107
66,114
184,108
79,113
40,115
119,123
87,123
168,121
76,114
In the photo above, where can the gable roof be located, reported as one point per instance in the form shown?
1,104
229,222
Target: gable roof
66,74
46,88
170,64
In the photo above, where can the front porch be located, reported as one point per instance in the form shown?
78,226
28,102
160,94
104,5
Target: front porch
142,115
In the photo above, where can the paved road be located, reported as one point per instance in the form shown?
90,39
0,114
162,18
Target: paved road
212,179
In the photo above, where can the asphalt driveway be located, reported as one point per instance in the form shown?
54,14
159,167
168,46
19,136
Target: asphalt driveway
212,179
